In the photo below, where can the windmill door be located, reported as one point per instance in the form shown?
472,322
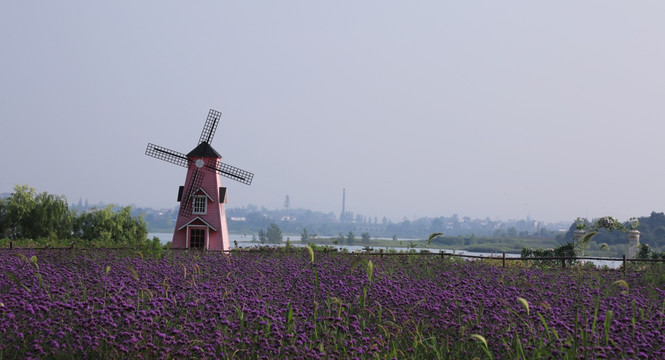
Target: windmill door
197,237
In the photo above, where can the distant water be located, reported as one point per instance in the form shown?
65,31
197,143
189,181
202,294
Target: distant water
245,241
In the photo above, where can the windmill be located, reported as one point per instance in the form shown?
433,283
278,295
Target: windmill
201,219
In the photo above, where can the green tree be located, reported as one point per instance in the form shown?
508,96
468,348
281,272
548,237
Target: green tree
274,234
262,236
499,233
350,238
111,227
512,232
365,237
304,236
4,227
26,214
18,207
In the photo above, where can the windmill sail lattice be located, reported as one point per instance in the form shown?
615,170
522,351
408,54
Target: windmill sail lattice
181,159
204,168
167,155
191,187
210,126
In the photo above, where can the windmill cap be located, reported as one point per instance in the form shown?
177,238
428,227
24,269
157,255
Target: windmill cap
204,150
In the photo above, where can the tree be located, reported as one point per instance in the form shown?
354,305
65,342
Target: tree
274,234
52,217
26,214
365,237
262,236
437,225
17,211
499,233
350,238
111,227
512,232
306,236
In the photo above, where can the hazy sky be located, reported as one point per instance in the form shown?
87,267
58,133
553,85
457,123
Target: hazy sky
501,109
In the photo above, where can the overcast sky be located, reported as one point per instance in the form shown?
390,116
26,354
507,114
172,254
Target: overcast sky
501,109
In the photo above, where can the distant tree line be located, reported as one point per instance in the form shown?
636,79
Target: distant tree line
47,220
293,221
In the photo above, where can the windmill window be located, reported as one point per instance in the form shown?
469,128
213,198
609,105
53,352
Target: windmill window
199,204
197,238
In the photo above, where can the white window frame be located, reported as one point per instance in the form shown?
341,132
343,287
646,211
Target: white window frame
198,202
206,238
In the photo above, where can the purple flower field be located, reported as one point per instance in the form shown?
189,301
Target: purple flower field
281,304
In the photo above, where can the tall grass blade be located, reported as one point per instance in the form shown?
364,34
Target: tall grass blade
432,236
623,284
606,326
481,339
524,303
311,253
135,275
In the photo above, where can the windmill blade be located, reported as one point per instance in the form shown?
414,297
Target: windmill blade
232,172
210,126
195,181
167,155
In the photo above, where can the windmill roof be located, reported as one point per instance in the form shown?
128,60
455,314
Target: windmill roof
199,219
204,150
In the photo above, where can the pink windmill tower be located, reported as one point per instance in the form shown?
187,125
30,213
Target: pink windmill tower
201,220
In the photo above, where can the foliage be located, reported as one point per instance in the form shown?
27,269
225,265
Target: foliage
652,231
111,227
274,234
262,236
565,250
46,220
582,243
433,236
608,223
350,238
304,236
645,252
26,214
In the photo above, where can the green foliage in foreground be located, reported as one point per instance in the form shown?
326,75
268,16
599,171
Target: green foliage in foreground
565,250
31,219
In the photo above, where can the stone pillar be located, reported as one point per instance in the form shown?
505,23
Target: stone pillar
633,243
577,236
